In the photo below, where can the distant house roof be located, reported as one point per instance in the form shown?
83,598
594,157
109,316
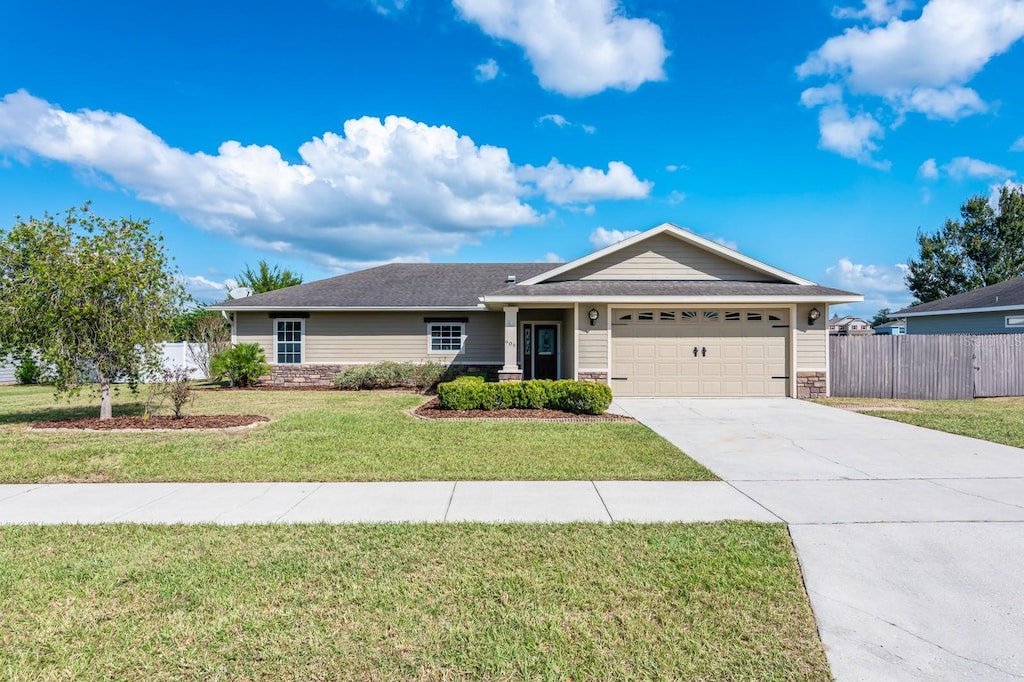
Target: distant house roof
894,323
1008,295
398,285
845,320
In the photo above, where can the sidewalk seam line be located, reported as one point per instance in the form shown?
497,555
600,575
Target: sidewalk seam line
147,503
448,507
604,504
304,498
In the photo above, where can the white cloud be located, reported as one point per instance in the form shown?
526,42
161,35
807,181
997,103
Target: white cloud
563,184
928,170
206,290
876,11
1018,146
673,167
853,137
487,71
722,241
883,286
562,122
378,191
922,64
826,94
576,47
552,257
964,167
676,197
601,237
387,7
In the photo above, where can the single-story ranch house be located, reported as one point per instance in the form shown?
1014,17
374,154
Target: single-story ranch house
995,309
664,313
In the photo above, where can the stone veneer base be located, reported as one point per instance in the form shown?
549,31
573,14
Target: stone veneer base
811,385
322,375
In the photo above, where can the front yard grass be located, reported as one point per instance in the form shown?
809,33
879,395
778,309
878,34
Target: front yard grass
1000,420
325,436
405,602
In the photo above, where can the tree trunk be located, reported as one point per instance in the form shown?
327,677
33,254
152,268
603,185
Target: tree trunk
105,408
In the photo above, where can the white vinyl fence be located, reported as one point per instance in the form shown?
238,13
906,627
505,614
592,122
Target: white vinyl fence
179,355
6,371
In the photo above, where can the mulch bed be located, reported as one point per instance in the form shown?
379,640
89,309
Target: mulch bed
156,423
432,410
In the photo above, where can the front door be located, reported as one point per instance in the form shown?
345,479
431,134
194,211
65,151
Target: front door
540,351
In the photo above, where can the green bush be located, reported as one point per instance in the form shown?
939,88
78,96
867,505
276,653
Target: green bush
389,374
241,365
464,393
28,371
578,397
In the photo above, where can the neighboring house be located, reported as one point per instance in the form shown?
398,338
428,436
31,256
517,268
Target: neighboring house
849,326
995,309
894,328
664,313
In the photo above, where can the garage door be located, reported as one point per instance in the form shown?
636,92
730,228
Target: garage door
720,352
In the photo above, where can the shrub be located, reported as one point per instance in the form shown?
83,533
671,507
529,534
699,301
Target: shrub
241,365
173,383
28,371
389,374
464,393
578,397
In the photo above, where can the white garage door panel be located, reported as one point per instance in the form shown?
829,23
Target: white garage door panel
739,353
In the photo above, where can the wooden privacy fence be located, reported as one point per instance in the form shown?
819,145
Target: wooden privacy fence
934,367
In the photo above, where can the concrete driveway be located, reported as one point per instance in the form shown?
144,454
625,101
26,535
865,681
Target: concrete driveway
911,540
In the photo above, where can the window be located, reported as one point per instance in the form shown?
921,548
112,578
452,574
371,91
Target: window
776,318
732,317
1015,320
711,315
446,337
687,315
645,317
626,317
667,316
288,342
753,317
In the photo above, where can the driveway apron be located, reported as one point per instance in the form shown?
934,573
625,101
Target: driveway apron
911,540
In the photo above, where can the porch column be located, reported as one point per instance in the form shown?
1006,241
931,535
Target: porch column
511,371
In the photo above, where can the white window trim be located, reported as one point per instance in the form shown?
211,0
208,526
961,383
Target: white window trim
430,338
1007,325
302,339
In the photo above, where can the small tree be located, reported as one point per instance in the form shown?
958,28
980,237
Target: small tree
89,296
267,278
881,317
206,332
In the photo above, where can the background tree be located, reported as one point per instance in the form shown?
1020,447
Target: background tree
881,317
267,278
90,297
985,246
206,332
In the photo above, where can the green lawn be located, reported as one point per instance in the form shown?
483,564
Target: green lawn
1000,420
325,436
405,602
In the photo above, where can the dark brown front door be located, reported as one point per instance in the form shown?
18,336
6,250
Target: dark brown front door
540,351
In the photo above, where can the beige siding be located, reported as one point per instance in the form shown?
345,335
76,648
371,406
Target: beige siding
811,341
255,328
593,340
664,257
361,337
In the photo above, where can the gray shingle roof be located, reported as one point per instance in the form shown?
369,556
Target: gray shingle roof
398,285
667,288
1005,294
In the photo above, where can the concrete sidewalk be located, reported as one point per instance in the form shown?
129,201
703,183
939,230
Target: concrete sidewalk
428,501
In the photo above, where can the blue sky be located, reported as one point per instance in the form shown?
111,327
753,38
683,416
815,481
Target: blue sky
329,135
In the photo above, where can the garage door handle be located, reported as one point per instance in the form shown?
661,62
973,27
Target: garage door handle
695,351
703,351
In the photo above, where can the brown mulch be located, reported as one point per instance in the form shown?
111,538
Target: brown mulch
162,423
432,410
